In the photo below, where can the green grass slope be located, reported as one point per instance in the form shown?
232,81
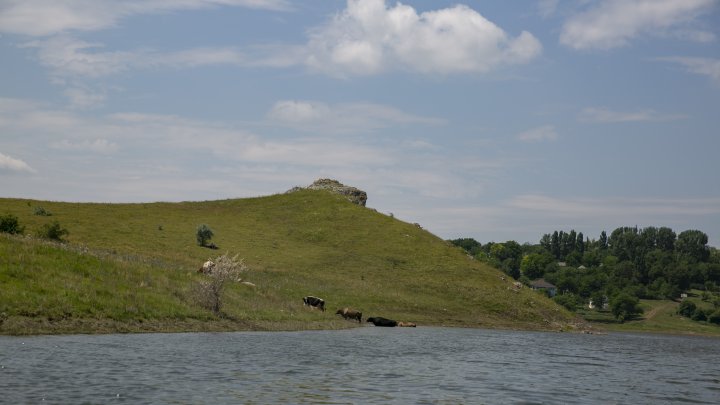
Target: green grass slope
132,267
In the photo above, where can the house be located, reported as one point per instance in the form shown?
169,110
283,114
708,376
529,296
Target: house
541,284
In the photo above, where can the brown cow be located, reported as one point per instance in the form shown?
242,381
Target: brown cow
407,324
349,313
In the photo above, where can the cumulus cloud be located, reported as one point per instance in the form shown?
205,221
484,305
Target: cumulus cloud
50,17
701,66
544,133
344,117
11,164
604,115
614,23
369,37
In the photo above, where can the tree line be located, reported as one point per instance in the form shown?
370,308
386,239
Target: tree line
632,262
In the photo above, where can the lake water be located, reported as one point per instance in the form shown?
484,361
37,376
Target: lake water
367,365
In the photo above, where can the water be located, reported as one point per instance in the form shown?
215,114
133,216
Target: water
367,365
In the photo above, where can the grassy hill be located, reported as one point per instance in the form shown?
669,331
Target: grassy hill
132,267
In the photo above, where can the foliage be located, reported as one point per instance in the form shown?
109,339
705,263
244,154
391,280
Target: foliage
569,301
41,212
714,317
625,306
687,308
469,244
210,290
10,224
203,234
52,231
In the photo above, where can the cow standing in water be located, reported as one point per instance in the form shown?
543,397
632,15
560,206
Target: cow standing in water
349,313
314,302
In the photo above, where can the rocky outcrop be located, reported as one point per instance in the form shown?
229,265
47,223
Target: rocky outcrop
353,194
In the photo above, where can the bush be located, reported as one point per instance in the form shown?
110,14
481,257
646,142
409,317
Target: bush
9,224
625,306
208,292
714,317
203,234
52,231
687,308
42,212
569,301
699,315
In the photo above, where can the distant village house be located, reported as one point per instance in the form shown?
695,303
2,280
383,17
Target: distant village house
541,284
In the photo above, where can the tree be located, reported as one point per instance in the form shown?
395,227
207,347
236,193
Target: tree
625,306
687,308
209,291
692,245
204,234
533,265
9,224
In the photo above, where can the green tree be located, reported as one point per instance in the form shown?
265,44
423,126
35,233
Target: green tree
533,265
52,231
625,306
687,308
9,224
692,245
203,235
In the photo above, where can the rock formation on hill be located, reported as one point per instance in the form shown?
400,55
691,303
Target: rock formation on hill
353,194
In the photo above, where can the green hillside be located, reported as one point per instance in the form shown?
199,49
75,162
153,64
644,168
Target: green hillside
132,267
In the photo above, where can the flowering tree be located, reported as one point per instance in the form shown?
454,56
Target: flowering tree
226,269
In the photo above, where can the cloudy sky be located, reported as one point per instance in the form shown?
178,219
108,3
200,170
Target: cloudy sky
489,119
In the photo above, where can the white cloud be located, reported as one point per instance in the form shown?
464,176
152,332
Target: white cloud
69,57
11,164
344,117
630,208
544,133
83,98
97,146
614,23
50,17
547,8
604,115
369,37
701,66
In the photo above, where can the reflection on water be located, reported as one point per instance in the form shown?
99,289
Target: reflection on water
364,365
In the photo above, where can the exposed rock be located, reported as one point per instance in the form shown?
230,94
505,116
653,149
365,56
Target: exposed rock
353,194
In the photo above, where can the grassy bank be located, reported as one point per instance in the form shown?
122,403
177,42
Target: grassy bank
659,316
132,267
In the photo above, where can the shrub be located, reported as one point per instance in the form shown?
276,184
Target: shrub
714,317
208,292
9,224
52,231
699,315
203,234
42,212
625,306
687,308
569,301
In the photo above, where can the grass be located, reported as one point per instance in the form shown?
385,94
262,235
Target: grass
132,267
659,316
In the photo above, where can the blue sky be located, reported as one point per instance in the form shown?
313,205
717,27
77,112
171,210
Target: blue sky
496,120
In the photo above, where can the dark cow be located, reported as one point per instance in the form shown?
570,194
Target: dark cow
314,302
378,321
349,313
407,324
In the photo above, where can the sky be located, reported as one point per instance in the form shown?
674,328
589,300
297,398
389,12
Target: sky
496,120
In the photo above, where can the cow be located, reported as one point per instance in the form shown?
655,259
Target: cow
314,302
207,267
379,321
407,324
349,313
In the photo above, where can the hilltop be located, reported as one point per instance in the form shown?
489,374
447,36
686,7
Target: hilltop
132,267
